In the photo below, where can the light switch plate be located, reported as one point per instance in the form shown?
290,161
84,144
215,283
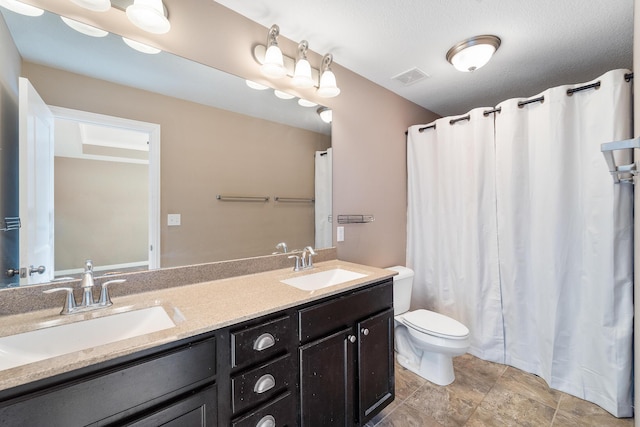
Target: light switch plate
340,234
173,219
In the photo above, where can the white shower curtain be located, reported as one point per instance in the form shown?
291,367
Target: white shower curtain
323,195
518,231
565,241
451,241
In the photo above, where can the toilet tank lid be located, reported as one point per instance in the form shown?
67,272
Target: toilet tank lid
403,272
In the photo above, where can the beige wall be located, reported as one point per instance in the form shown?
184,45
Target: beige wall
206,151
368,128
101,212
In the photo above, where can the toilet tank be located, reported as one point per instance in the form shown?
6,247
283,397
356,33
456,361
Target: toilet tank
402,285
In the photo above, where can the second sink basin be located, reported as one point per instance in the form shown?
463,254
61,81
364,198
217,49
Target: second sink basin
323,279
32,346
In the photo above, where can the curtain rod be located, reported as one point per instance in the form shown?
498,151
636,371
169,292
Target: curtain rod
627,77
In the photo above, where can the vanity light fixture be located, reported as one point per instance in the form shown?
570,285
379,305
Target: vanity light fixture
326,114
473,53
83,28
327,87
21,8
302,73
95,5
149,15
141,47
273,65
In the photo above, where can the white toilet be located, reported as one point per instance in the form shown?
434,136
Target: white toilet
425,342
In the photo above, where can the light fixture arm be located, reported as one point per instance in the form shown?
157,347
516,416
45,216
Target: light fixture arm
303,46
327,60
272,36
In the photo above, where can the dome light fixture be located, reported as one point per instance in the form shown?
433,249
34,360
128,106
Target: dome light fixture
21,8
327,87
473,53
94,5
326,114
149,15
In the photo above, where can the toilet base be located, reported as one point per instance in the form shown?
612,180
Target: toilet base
434,367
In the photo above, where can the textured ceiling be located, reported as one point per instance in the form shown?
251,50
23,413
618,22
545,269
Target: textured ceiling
545,43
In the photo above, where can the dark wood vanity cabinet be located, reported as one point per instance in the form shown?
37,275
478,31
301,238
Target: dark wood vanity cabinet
346,358
172,386
324,363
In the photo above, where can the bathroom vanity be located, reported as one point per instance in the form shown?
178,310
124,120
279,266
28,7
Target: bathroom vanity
278,357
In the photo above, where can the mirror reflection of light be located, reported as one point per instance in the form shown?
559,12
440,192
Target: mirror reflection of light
326,114
84,28
306,103
149,15
256,86
141,47
283,95
94,5
21,8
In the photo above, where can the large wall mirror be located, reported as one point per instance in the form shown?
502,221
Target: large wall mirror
239,170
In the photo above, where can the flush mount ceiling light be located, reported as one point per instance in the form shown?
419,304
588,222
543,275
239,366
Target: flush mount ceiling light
273,64
302,73
327,87
83,28
326,114
95,5
473,53
21,8
141,47
149,15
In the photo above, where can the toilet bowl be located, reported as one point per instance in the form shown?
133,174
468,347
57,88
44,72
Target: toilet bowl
425,341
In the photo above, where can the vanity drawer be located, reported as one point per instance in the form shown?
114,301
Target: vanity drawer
261,342
339,313
262,383
280,412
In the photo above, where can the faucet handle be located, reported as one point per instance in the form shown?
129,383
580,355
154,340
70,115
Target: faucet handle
297,258
69,302
105,299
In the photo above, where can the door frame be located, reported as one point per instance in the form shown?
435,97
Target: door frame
153,130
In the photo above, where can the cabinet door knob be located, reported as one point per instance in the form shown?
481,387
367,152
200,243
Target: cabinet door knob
266,421
264,341
365,331
352,338
264,383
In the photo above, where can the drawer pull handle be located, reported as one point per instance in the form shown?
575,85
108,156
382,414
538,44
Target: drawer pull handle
351,338
267,421
365,331
264,341
264,383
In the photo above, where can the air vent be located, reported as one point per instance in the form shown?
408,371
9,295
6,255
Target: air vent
411,76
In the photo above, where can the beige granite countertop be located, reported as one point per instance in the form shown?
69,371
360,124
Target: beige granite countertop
196,309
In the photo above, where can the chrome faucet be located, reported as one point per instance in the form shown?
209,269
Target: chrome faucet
306,257
283,247
88,303
87,284
304,261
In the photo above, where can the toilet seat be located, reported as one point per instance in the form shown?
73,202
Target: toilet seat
435,324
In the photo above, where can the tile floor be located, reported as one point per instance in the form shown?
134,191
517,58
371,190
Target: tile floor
488,394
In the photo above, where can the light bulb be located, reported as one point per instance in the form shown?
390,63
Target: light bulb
273,65
302,74
328,87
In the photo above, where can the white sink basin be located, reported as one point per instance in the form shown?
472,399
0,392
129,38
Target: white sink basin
29,347
323,279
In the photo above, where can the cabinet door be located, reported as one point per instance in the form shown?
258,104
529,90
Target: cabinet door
375,367
327,380
198,409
